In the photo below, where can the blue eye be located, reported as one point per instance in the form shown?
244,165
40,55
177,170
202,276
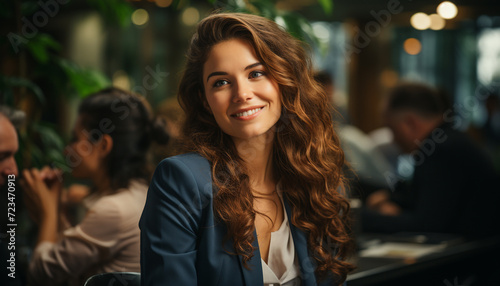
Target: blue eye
255,74
220,83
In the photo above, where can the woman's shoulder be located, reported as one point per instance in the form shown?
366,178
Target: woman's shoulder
127,202
134,194
113,214
188,159
189,162
183,171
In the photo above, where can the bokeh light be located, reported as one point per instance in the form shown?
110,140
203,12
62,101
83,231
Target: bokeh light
420,21
437,22
389,78
320,31
190,16
140,17
412,46
121,80
163,3
447,10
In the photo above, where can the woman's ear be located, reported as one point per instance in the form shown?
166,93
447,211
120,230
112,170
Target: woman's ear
105,145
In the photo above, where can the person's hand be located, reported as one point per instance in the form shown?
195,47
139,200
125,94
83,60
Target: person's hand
380,202
42,190
376,199
389,208
52,177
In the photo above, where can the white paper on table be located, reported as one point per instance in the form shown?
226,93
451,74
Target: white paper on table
401,250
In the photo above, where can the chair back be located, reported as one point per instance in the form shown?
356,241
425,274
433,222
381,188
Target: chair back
115,279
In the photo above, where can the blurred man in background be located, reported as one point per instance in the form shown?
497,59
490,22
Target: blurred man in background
454,186
8,142
9,120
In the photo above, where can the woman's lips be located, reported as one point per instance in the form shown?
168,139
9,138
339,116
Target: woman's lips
248,114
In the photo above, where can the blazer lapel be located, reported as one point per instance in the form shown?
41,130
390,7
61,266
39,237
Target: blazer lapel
306,263
254,276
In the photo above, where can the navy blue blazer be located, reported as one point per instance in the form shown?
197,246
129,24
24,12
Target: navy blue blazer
181,241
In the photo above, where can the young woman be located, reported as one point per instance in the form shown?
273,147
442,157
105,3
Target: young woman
255,199
111,138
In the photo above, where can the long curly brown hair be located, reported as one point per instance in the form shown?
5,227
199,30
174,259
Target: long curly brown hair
307,157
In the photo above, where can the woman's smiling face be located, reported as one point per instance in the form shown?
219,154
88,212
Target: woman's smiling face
244,99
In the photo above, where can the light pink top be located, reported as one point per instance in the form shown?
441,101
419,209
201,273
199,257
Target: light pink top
107,240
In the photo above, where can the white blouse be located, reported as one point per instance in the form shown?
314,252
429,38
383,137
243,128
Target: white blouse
282,267
107,240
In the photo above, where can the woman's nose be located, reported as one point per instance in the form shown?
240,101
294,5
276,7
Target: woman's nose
242,91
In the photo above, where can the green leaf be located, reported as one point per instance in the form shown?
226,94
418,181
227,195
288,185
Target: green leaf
265,8
93,81
292,23
48,135
42,145
84,81
62,165
307,31
239,6
176,3
22,82
40,45
29,7
38,51
36,156
327,6
114,11
48,41
55,155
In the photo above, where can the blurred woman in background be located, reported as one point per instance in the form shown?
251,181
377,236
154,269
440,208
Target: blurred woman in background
111,138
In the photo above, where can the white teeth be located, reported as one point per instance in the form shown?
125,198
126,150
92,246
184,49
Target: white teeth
247,113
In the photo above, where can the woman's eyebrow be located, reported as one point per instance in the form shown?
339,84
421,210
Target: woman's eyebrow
216,73
253,65
225,73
